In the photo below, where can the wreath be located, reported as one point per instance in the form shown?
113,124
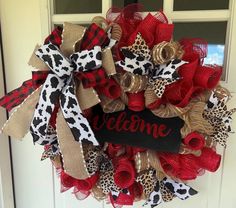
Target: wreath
124,112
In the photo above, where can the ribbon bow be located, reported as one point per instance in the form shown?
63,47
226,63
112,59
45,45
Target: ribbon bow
59,85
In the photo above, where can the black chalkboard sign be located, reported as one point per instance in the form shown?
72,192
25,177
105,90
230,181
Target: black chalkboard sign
138,129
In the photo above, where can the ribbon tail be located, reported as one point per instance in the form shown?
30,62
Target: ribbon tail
155,197
181,190
48,99
17,96
72,151
72,113
18,124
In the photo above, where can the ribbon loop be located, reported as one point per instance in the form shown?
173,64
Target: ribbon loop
51,55
87,60
59,87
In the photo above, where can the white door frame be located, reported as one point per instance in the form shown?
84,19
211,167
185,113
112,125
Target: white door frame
6,184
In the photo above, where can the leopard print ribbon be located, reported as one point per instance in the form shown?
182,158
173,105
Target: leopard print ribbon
163,75
140,47
220,118
59,85
166,190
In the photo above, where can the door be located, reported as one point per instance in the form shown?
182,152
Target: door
6,188
36,184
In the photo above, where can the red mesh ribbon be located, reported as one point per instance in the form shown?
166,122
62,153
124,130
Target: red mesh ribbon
136,190
86,185
113,149
122,199
66,180
195,77
81,185
154,29
179,93
195,46
209,159
111,89
207,76
164,32
188,166
136,101
128,18
194,141
124,175
132,151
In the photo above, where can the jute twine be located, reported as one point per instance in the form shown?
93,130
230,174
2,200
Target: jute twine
169,111
116,31
123,96
110,105
194,121
150,96
165,51
133,83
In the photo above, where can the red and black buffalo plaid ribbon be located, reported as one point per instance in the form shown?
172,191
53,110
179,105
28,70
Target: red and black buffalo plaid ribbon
94,36
55,37
17,96
93,78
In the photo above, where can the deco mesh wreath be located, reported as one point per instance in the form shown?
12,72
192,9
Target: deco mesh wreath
124,112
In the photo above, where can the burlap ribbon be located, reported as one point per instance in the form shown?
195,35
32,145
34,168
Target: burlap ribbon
18,124
71,150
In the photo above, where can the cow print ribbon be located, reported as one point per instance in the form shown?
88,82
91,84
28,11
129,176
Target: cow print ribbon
178,189
59,86
163,75
181,190
135,63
